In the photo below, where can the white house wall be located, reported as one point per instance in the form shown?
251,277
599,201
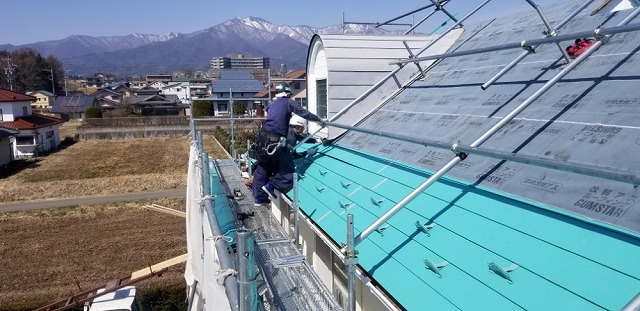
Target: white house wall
14,109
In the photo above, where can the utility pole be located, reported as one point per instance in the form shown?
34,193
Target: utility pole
65,82
8,71
53,81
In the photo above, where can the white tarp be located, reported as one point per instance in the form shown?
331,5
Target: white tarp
202,261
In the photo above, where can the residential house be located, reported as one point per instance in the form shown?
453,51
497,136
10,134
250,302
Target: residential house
158,85
235,86
198,87
73,107
151,105
179,89
157,78
44,100
36,133
147,90
7,139
296,79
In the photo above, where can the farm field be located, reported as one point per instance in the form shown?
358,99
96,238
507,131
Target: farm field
46,255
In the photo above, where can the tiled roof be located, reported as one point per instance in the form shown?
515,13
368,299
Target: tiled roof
33,121
5,132
297,74
11,96
72,104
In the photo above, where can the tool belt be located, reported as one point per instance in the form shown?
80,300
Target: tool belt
266,145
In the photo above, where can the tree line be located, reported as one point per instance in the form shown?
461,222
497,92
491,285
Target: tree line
26,70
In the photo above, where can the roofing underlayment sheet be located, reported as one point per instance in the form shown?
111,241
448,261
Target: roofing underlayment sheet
591,117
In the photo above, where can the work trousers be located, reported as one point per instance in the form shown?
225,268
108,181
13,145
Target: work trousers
278,171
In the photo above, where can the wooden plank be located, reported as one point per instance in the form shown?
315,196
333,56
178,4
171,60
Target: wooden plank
159,266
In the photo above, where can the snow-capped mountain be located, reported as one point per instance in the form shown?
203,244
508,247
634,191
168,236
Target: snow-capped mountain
137,54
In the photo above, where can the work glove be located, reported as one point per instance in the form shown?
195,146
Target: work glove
312,151
322,123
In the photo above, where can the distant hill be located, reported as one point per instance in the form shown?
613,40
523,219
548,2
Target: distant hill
139,54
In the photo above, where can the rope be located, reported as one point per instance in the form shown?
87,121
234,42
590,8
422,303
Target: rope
206,197
222,274
217,238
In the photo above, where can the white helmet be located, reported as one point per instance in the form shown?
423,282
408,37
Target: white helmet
297,120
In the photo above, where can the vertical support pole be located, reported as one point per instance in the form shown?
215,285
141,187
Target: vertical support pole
249,168
206,174
192,295
350,263
233,135
550,30
296,209
200,142
248,289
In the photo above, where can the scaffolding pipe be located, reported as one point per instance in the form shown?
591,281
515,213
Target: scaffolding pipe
633,304
233,135
350,264
192,295
246,271
550,30
221,245
461,156
609,173
440,7
420,22
388,76
404,15
296,209
525,53
596,45
598,32
392,73
219,119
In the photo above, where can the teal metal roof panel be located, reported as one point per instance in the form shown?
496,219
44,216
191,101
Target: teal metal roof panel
567,259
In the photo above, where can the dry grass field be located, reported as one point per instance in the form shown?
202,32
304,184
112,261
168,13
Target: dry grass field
47,255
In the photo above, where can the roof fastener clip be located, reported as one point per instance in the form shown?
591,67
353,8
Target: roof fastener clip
435,268
502,272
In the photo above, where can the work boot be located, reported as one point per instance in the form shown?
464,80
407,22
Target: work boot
268,188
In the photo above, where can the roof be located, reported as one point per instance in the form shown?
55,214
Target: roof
156,100
245,86
73,104
235,74
45,93
6,132
31,122
121,299
491,234
297,74
11,96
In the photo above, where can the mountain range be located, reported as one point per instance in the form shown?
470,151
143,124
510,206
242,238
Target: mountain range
139,54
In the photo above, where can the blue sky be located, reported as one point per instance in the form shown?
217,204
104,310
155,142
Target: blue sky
33,21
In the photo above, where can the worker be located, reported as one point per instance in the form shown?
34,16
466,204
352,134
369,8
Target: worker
296,133
275,161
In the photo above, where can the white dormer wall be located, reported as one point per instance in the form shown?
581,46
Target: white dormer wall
10,111
180,89
350,65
